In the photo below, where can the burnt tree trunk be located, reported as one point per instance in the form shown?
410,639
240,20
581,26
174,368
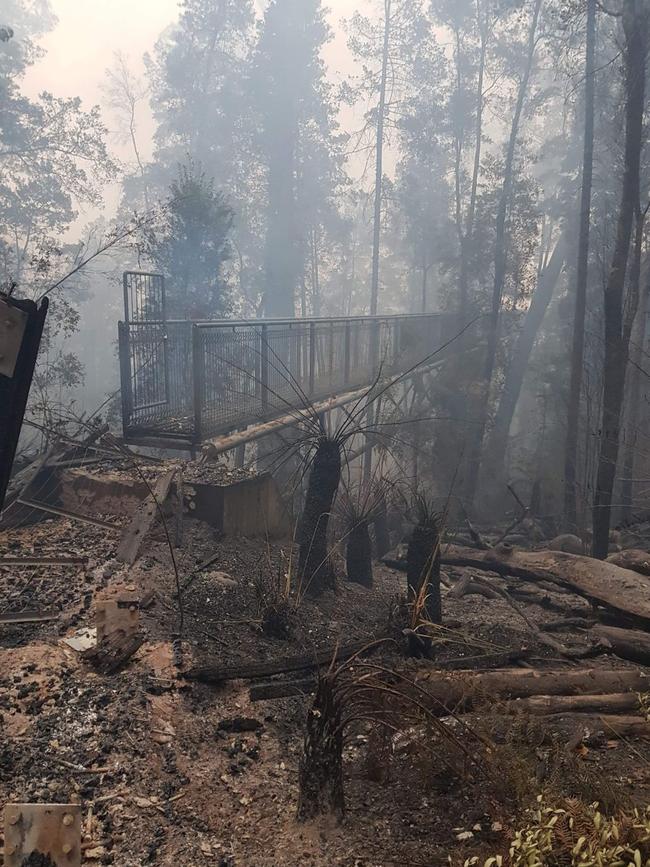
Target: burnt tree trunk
635,25
500,267
314,567
498,441
577,350
382,532
321,765
358,555
423,568
633,380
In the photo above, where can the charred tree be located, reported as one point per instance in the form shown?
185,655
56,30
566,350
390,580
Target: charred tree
321,767
466,233
500,263
358,554
633,399
617,330
498,441
423,568
379,160
577,350
382,531
314,567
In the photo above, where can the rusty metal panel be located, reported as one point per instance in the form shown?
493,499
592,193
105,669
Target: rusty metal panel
13,322
50,830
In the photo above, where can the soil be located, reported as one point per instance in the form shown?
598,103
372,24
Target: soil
172,772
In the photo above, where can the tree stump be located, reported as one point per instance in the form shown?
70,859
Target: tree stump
321,766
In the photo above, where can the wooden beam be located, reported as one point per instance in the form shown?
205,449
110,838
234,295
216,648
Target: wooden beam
255,432
9,617
216,674
18,562
66,513
144,519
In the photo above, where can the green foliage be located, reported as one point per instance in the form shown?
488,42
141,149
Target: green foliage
576,835
190,245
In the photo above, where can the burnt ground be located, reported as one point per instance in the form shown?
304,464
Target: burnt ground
164,781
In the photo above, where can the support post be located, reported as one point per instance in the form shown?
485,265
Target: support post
396,342
198,372
126,386
312,357
346,358
264,370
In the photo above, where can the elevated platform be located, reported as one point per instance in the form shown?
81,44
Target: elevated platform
185,382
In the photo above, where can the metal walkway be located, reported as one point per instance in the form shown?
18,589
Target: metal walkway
184,382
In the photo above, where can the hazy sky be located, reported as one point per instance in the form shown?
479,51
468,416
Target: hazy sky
81,48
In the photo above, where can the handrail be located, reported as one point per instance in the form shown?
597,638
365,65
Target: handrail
188,380
307,320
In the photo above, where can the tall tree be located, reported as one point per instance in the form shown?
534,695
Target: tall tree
298,143
125,94
53,159
577,350
635,17
496,446
500,261
191,245
199,79
633,378
379,157
386,48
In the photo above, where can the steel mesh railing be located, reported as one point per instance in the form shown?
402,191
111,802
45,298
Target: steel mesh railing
187,381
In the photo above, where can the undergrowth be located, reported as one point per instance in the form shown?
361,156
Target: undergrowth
574,834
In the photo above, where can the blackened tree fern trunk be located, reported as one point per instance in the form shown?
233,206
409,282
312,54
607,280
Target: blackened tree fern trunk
314,567
321,766
423,571
382,531
358,554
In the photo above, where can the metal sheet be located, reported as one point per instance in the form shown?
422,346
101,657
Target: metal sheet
12,329
53,830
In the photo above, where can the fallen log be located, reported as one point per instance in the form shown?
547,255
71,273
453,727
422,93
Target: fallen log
467,586
626,643
615,703
612,727
465,689
567,623
306,686
621,590
217,674
632,558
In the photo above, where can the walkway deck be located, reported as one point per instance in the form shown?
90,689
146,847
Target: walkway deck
184,382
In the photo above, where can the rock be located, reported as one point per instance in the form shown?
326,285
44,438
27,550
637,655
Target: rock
221,578
567,542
